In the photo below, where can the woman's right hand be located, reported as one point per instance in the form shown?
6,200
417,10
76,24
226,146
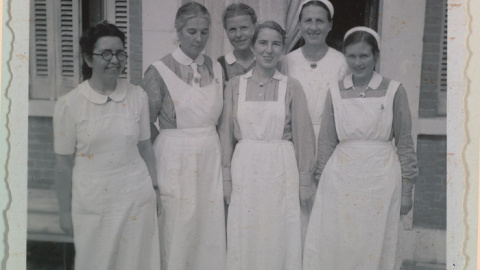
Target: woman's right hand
66,223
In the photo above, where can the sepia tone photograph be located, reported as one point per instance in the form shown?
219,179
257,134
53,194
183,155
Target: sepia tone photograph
237,134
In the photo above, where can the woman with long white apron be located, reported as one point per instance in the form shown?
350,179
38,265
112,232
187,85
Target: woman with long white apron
266,127
315,65
186,95
355,216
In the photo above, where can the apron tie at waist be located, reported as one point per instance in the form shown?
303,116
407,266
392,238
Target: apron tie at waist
189,132
365,142
317,123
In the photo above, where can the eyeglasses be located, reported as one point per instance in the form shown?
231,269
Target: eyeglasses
108,55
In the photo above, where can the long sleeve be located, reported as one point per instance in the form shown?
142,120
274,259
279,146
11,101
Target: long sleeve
303,136
402,132
327,139
226,131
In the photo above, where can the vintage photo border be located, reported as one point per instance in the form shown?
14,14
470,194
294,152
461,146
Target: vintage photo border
463,131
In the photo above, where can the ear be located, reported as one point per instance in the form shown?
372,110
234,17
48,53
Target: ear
88,59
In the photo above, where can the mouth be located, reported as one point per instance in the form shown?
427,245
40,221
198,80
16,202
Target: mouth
313,35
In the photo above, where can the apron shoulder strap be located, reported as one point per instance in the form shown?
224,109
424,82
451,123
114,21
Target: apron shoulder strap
223,63
391,91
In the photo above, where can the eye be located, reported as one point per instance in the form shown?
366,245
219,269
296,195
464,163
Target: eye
191,32
204,32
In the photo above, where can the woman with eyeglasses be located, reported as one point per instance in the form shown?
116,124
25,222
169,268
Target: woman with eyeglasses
105,165
185,92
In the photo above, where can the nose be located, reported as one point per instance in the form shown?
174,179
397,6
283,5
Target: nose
114,59
238,34
198,37
269,49
358,61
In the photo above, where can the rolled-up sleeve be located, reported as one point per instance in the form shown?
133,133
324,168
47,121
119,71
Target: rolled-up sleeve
226,129
327,139
303,136
402,132
144,123
64,132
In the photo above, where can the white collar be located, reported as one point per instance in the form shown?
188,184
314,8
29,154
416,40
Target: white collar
277,76
183,59
374,83
230,58
117,95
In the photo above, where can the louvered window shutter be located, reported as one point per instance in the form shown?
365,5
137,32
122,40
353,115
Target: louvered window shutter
42,65
117,13
68,56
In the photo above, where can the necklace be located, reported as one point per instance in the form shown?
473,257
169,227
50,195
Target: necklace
262,84
363,90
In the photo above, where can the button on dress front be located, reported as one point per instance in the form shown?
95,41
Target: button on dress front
113,201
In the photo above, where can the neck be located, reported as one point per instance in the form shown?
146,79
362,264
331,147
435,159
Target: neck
314,52
245,55
262,74
103,86
362,81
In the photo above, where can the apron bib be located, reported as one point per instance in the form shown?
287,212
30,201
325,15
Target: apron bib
354,221
264,213
190,178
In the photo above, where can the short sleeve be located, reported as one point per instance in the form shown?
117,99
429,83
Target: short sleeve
64,132
144,124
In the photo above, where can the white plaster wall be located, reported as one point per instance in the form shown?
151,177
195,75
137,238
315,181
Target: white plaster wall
159,35
401,28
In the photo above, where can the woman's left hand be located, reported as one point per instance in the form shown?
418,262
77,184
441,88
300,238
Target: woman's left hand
406,205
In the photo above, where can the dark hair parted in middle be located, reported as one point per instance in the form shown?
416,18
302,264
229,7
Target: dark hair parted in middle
238,9
362,36
188,11
90,37
270,25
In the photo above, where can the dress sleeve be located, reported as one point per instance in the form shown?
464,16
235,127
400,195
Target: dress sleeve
64,132
144,123
226,129
328,138
303,136
153,85
402,132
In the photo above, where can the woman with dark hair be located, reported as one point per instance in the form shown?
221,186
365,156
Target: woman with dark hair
365,181
105,165
238,21
267,153
315,65
185,92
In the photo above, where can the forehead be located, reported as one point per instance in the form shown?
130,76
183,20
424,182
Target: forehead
269,34
196,23
359,47
113,43
239,20
314,12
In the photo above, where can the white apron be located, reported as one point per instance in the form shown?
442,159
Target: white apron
113,202
264,213
192,223
354,221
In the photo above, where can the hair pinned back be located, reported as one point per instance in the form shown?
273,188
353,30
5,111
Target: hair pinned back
362,34
239,9
91,35
188,11
270,25
325,4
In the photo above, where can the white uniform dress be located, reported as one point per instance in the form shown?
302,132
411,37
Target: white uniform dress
192,223
264,212
113,201
315,78
354,221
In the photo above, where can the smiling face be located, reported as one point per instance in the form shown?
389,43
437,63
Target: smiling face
268,48
240,31
107,69
360,59
314,25
193,36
